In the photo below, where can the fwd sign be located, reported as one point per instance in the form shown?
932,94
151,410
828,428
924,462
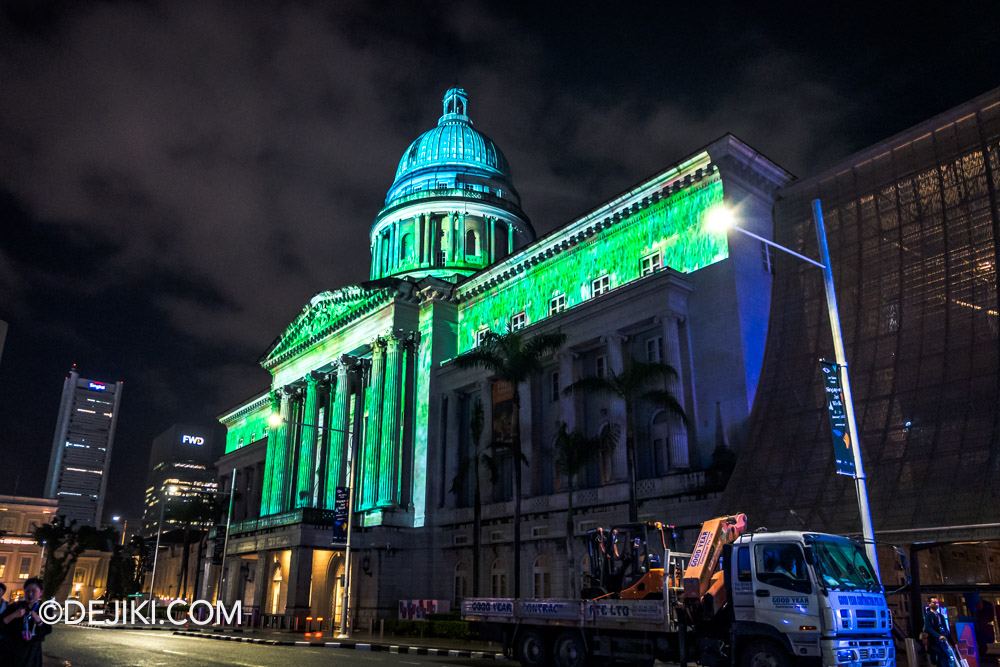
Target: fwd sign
192,440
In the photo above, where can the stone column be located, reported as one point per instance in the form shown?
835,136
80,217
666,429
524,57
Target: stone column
336,454
567,404
373,428
510,238
418,238
388,481
460,237
289,482
425,220
307,445
492,239
299,580
434,242
616,363
261,582
277,443
452,451
678,455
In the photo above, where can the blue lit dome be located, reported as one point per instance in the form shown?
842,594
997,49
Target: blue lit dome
453,155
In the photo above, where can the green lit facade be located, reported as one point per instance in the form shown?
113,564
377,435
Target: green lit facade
366,368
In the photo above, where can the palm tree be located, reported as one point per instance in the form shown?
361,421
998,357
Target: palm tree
469,465
513,359
197,510
638,381
574,451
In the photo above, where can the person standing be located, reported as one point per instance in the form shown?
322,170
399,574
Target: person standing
23,630
3,603
937,635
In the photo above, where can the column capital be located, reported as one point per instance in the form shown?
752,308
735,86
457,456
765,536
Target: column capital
614,337
670,315
567,355
313,378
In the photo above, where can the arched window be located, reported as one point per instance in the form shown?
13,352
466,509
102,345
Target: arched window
405,247
498,578
338,593
471,242
276,588
461,583
659,434
541,584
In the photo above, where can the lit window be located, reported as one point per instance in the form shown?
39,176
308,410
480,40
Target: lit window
765,258
555,386
3,566
518,321
481,336
557,304
651,263
600,286
25,570
601,367
654,349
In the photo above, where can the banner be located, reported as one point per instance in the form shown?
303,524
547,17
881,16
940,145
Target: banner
340,517
843,448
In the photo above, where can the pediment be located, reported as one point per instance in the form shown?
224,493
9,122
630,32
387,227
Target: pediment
324,314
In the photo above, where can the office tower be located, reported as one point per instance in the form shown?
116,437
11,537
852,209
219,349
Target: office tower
180,470
81,448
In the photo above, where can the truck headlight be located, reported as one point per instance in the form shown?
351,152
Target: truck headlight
847,655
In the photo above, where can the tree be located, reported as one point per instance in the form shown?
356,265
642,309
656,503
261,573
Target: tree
574,451
198,509
513,359
62,543
470,465
638,381
126,571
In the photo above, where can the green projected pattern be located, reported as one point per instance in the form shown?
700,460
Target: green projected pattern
249,428
672,226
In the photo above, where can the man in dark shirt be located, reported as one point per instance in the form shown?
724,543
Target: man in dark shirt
937,635
23,630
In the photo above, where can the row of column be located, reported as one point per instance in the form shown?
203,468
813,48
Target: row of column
381,458
300,470
434,234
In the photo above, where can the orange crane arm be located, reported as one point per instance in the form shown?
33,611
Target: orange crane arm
715,534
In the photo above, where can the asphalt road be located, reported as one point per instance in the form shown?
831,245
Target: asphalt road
85,647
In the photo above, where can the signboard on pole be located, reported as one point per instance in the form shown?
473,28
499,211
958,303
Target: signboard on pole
843,448
340,517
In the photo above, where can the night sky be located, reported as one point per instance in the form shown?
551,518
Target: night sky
177,179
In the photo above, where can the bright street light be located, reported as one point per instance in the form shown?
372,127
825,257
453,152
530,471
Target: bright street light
720,219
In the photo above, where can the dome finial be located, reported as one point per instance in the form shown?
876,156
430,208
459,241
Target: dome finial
455,106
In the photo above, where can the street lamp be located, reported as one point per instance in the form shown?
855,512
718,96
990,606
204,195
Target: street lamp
275,420
116,519
720,219
167,490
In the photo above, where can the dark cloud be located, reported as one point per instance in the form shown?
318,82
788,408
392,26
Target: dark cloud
178,178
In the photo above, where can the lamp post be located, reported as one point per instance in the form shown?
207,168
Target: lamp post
225,543
117,519
167,490
723,219
276,420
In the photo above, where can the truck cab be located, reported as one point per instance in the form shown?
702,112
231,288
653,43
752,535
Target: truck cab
801,596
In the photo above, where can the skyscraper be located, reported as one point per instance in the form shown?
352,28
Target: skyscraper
81,448
180,466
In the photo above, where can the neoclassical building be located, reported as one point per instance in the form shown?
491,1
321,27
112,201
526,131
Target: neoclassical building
366,372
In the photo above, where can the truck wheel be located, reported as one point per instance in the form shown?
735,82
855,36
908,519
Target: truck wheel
570,651
764,653
533,649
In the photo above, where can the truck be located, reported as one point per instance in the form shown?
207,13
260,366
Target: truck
742,599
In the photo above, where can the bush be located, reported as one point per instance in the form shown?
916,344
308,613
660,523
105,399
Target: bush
444,629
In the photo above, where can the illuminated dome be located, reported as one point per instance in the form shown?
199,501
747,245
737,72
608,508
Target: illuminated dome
452,209
453,155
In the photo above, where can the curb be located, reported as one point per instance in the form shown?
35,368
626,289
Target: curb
357,646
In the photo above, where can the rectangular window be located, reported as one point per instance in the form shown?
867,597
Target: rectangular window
651,263
518,321
557,304
765,258
555,387
601,367
25,570
481,336
743,563
3,566
600,286
654,349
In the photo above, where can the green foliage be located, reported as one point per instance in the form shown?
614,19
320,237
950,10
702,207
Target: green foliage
442,629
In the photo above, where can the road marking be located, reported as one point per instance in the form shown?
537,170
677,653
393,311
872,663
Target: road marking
166,650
